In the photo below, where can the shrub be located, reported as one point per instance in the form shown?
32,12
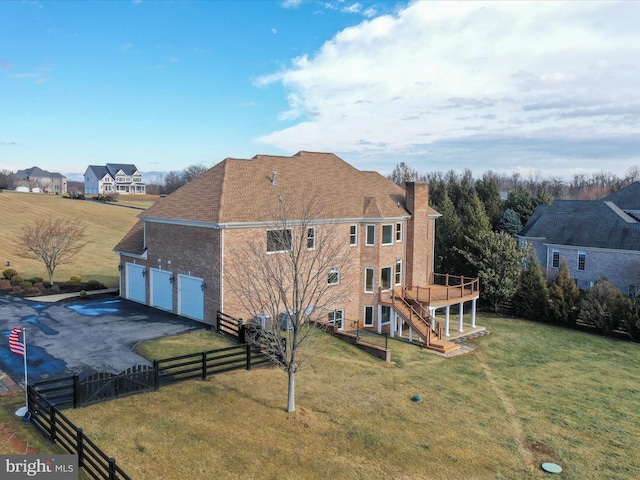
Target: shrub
75,278
83,293
16,280
26,285
604,307
36,280
94,285
9,272
72,284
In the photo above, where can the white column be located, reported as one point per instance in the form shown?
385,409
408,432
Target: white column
410,334
400,322
379,319
432,311
461,307
473,313
446,322
392,324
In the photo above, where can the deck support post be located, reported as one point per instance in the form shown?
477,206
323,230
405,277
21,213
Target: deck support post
446,321
461,307
473,313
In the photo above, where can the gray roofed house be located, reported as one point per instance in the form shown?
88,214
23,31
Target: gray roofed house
113,178
596,238
35,179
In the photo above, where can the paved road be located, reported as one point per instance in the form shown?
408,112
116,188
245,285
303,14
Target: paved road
81,336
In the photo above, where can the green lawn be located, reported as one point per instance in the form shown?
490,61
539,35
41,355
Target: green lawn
529,393
105,225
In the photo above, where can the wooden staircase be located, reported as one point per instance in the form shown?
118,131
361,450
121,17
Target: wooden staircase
420,321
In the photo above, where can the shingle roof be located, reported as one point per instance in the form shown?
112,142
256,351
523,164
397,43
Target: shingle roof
582,223
627,198
238,190
127,168
133,241
99,171
36,172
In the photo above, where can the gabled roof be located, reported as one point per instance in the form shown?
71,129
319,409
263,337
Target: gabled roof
36,172
583,223
128,168
133,241
100,171
242,191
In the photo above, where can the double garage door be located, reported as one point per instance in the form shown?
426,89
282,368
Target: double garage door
161,283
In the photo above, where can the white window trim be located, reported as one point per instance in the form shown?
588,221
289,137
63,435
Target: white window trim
333,314
582,254
373,280
278,230
553,253
337,273
311,229
397,275
391,276
399,232
355,235
367,235
390,226
390,313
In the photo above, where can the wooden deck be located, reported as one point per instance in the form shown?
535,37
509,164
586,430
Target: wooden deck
447,290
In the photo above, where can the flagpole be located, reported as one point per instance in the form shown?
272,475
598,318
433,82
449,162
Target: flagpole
22,411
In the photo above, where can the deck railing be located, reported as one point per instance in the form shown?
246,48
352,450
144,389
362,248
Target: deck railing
455,287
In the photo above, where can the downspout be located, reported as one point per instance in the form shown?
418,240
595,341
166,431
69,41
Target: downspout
221,269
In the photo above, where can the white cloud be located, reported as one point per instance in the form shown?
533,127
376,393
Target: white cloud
472,82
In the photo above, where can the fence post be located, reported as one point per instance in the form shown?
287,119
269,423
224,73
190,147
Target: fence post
76,391
112,468
242,332
156,375
204,366
52,422
80,447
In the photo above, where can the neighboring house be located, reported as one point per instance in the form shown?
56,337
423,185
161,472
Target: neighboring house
113,178
596,238
174,257
35,179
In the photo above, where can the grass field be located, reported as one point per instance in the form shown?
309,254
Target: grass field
106,225
529,393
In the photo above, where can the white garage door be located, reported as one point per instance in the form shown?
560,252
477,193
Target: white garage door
136,288
191,297
161,289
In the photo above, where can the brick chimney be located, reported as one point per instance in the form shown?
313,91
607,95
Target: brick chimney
420,235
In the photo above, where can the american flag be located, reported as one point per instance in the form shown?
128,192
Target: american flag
16,341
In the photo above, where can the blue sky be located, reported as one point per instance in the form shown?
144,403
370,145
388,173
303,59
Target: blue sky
544,88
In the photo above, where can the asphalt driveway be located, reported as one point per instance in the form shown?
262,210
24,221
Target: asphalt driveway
81,336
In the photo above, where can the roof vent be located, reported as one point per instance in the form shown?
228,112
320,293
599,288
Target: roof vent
273,177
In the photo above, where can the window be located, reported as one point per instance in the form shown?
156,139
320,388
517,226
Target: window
387,234
311,238
368,316
385,315
398,232
371,235
353,235
555,262
279,240
385,278
337,317
582,260
333,277
368,280
398,271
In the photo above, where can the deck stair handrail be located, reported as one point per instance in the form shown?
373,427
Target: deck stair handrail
457,287
414,318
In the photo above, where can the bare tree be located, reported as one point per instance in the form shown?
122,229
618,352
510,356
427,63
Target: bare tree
292,280
54,241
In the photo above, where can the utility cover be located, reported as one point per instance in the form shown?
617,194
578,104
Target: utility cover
551,468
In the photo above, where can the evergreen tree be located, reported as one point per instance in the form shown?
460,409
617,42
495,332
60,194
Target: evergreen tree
604,306
497,258
522,203
531,299
489,195
509,223
564,297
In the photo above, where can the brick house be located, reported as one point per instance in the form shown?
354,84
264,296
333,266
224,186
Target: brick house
596,238
35,179
176,255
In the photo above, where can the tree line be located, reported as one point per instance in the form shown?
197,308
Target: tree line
476,237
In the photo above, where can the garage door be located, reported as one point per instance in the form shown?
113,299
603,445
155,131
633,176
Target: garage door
191,297
161,289
136,288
